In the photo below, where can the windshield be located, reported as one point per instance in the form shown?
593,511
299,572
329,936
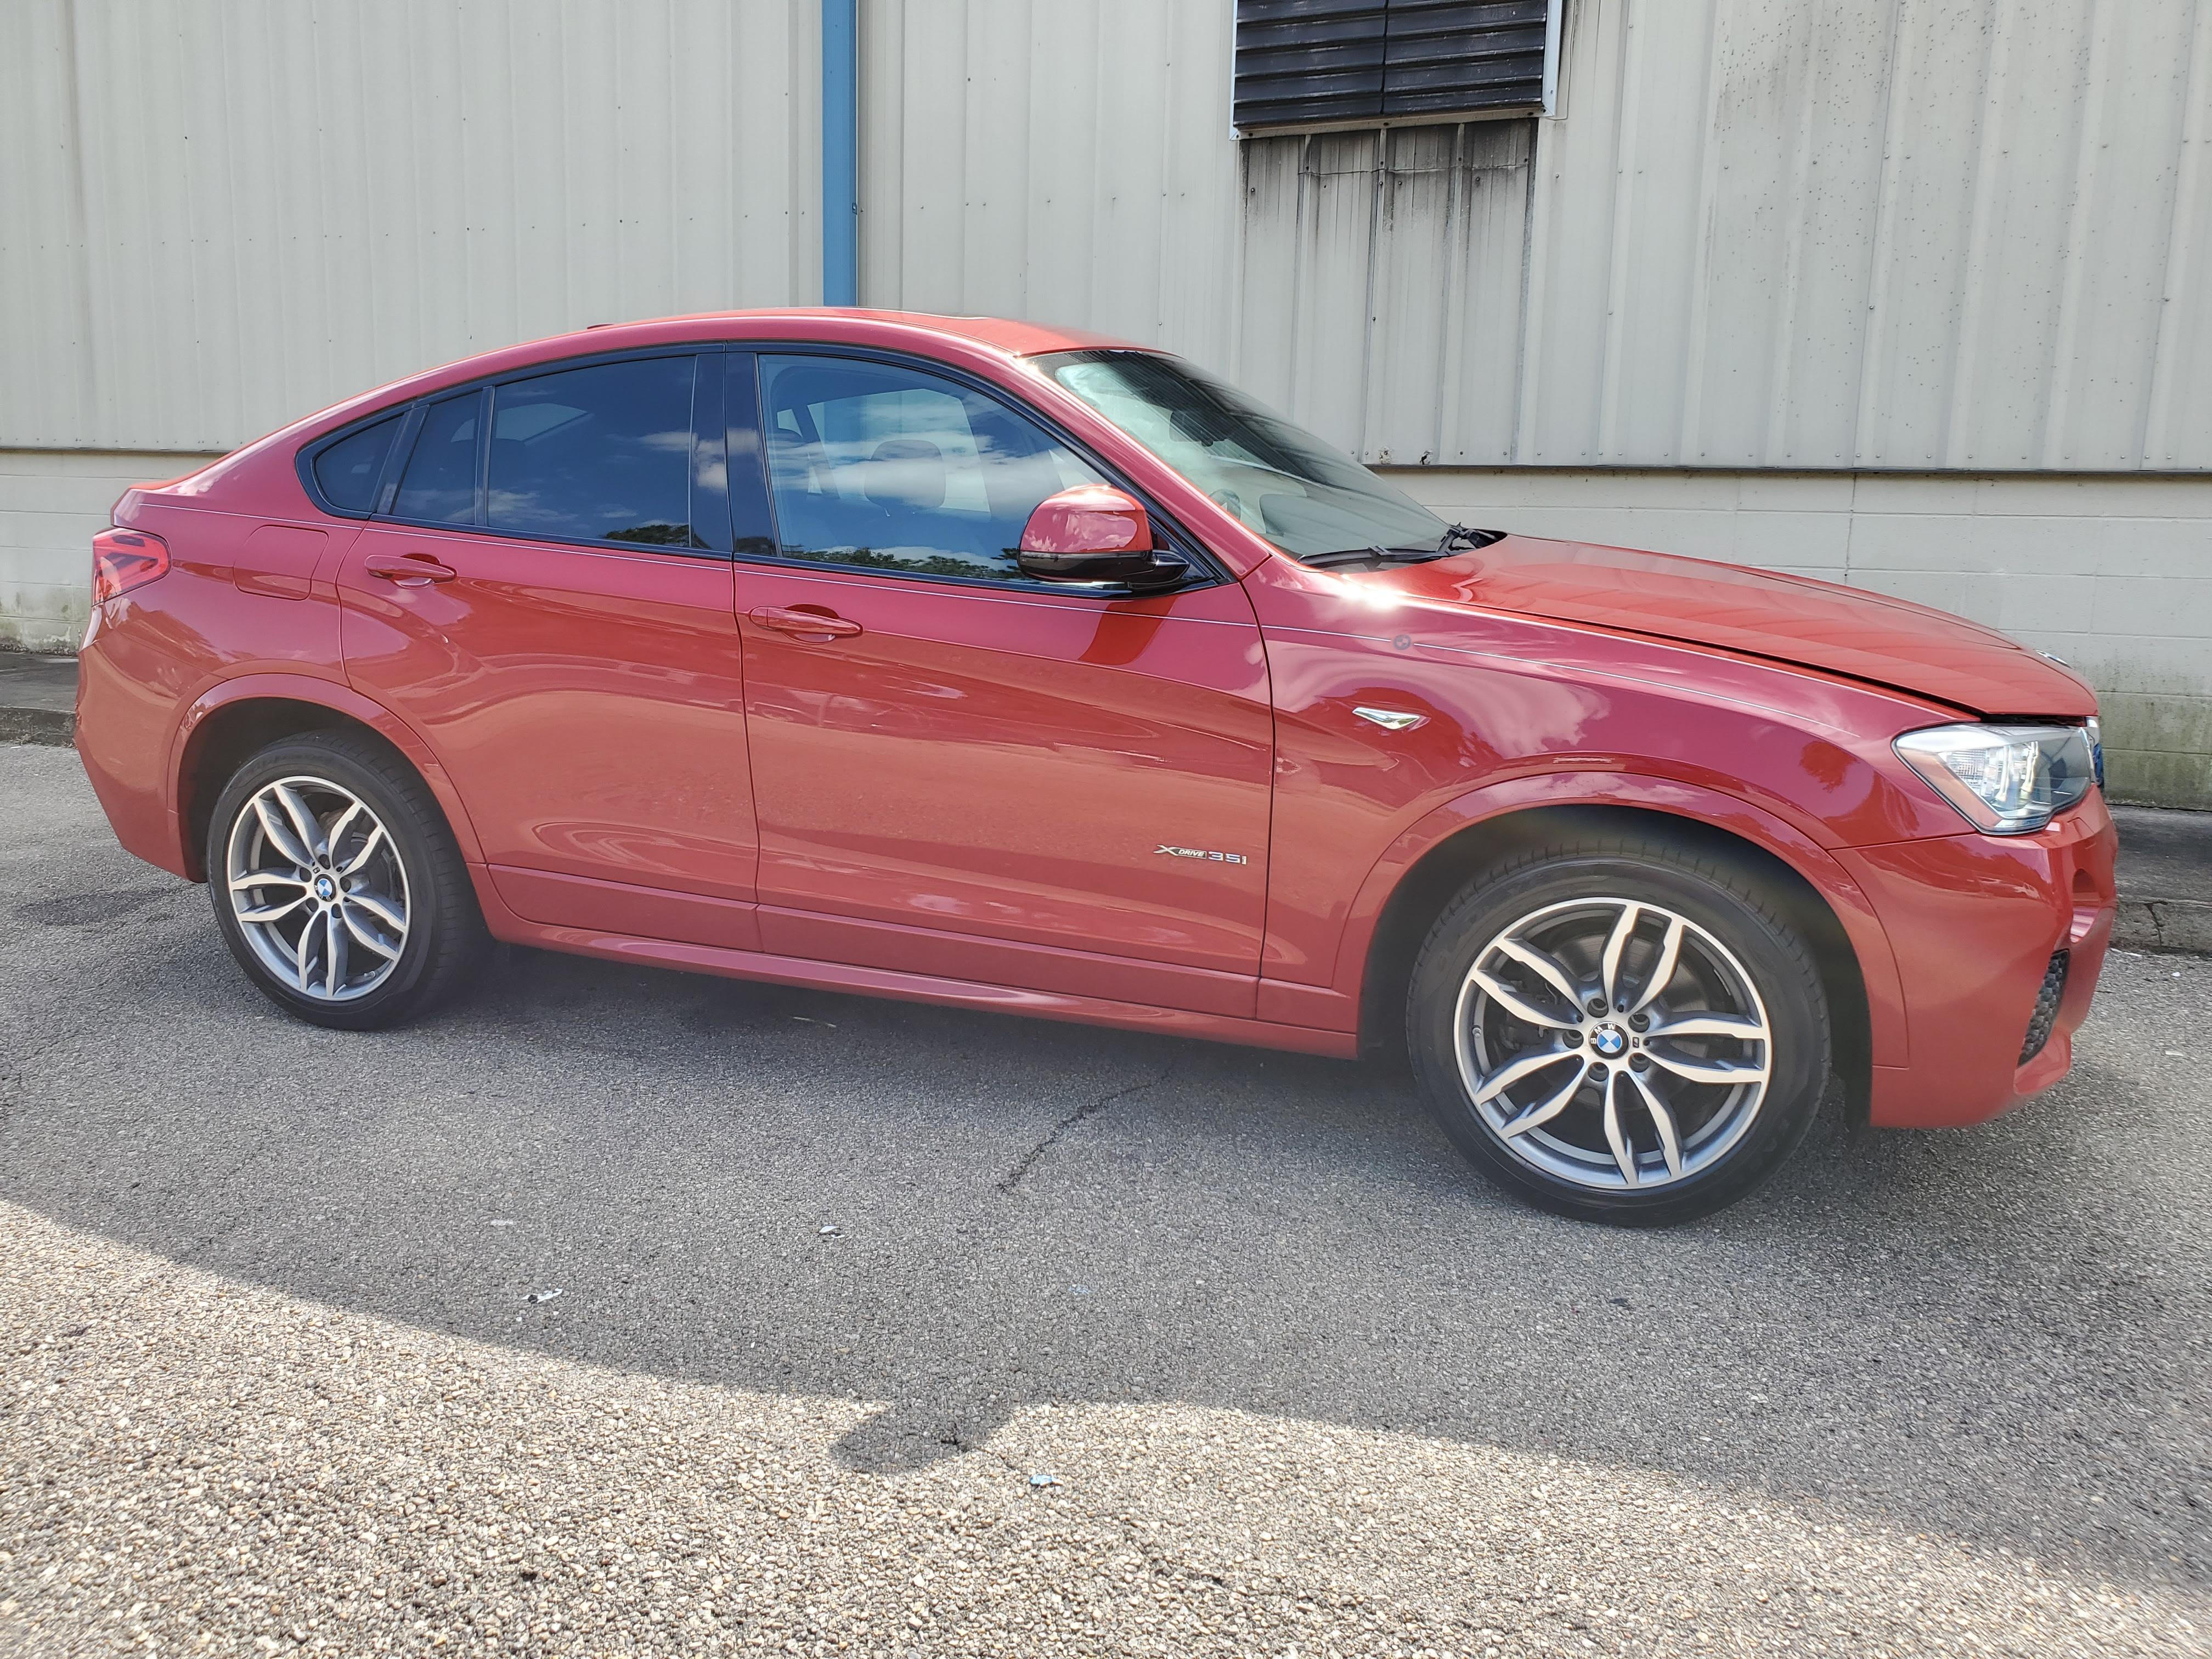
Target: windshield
1279,479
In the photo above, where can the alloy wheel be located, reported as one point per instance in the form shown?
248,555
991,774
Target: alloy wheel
1612,1043
318,889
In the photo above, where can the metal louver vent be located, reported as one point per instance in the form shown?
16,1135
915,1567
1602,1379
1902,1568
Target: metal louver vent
1334,62
1301,62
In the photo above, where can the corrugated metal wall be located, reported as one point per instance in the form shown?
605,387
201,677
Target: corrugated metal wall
1970,234
215,217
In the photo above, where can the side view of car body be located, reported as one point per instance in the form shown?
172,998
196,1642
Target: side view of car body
982,663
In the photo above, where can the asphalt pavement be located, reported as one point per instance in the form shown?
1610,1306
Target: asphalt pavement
620,1310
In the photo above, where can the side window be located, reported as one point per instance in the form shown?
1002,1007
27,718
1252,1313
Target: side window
348,472
894,468
601,453
440,484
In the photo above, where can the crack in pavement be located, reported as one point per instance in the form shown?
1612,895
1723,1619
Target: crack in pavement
1012,1178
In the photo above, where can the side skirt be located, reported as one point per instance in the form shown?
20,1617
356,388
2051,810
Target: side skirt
911,987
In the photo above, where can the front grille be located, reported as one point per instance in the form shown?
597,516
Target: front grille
2046,1008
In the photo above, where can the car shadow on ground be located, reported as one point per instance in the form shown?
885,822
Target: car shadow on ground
957,1213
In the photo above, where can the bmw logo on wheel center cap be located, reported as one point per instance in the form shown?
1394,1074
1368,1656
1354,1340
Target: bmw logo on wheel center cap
324,888
1609,1040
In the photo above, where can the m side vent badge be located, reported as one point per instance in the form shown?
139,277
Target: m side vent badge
1392,719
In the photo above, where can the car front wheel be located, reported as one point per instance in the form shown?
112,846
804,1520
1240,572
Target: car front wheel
1620,1031
336,884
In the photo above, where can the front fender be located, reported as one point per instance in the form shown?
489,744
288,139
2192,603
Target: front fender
1490,802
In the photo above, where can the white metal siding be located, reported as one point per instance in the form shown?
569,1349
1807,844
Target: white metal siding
1970,234
215,217
1948,234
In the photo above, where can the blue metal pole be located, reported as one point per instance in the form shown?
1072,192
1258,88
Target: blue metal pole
841,152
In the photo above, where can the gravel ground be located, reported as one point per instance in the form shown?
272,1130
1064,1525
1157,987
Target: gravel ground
886,1329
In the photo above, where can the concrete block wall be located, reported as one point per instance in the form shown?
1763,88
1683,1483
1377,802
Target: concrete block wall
2112,572
52,503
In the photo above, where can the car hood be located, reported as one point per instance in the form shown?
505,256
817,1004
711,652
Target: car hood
1792,619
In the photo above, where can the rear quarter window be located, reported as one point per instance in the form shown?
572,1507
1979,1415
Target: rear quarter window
440,484
348,472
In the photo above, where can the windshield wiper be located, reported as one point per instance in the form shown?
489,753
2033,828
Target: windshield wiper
1372,555
1456,539
1463,534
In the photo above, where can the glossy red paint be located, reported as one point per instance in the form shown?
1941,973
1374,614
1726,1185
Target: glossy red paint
1088,519
1161,812
1973,921
1008,765
625,665
1790,619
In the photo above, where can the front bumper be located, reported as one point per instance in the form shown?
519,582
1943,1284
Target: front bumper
1974,921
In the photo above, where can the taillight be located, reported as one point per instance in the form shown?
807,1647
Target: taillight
124,559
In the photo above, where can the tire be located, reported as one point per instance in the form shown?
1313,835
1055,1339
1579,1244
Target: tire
390,884
1741,994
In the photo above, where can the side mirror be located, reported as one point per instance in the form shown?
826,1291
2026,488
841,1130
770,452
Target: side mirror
1092,533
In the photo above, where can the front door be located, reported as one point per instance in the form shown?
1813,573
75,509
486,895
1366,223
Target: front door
962,772
552,613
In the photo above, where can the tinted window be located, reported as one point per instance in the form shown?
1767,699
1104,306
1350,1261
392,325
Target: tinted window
882,465
440,483
349,470
598,453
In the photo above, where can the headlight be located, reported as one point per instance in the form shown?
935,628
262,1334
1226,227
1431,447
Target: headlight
2006,780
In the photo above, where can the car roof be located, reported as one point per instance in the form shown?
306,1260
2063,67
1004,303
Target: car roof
1006,334
976,339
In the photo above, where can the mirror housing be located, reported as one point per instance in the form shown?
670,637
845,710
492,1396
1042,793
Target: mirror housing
1090,533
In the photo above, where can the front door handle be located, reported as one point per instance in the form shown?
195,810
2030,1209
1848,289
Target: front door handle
408,569
817,624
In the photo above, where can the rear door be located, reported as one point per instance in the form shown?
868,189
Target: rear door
547,600
961,771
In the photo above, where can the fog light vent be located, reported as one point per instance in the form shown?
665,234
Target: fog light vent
2046,1008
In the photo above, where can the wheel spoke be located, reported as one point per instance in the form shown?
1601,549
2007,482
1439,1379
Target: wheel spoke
268,913
1670,1141
1670,953
1701,1024
1623,1153
1710,1070
299,954
364,936
1521,1066
368,846
1615,944
382,908
1545,1111
1546,967
340,824
281,834
1519,1005
334,951
253,879
303,821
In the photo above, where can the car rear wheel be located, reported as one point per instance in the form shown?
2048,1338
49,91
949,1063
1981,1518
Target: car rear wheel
1620,1031
336,884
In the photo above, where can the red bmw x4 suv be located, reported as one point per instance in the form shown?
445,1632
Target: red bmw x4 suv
985,664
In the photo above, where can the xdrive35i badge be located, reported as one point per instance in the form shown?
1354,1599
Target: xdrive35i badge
1200,853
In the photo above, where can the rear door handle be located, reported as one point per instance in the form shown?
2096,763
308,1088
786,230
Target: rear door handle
408,569
819,624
